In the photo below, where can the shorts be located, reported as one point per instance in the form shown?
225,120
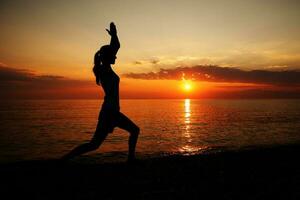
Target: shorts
109,119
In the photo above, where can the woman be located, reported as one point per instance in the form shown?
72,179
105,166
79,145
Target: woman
110,115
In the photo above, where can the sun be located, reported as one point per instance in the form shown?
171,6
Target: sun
187,86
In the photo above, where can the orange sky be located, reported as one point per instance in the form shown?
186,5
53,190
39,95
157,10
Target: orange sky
59,38
16,84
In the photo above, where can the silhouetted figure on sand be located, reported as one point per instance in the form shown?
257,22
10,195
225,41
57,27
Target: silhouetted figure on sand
110,115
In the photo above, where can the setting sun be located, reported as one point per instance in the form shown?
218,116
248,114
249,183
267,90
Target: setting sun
187,86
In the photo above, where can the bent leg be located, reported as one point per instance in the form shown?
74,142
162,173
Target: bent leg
94,144
126,124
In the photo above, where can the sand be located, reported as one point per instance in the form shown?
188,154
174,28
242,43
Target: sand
254,173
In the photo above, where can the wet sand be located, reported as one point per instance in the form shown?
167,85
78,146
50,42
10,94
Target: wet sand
255,173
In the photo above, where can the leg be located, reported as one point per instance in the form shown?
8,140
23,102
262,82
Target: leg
126,124
94,144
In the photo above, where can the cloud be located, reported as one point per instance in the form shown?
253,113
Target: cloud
27,84
152,61
137,62
13,74
222,74
3,64
10,75
23,83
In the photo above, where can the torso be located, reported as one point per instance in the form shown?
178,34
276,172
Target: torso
110,84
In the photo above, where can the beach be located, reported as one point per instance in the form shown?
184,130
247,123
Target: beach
252,173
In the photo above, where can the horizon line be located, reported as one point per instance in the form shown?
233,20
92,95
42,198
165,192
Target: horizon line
204,98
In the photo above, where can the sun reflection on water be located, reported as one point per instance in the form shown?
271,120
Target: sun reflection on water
187,120
187,111
187,148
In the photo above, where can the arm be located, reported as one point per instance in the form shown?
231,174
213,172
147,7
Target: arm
114,42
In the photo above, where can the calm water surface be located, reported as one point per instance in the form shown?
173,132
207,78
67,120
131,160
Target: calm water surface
42,129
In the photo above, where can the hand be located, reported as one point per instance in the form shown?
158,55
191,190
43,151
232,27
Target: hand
113,29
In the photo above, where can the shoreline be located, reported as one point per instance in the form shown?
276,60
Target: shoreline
254,173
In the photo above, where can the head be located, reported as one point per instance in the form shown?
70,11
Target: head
107,55
104,57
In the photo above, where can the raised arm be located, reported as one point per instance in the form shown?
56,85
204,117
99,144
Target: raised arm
114,42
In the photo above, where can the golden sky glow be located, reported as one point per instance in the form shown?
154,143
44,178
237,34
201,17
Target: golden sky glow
60,37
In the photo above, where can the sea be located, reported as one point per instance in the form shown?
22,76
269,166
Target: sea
48,129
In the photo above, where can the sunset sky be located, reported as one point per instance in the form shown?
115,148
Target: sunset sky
47,48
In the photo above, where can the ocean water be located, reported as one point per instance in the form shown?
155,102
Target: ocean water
47,129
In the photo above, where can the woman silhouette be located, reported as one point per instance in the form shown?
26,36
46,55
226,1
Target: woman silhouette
110,115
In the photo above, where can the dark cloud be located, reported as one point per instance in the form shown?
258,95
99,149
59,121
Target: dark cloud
19,83
12,74
50,77
223,74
